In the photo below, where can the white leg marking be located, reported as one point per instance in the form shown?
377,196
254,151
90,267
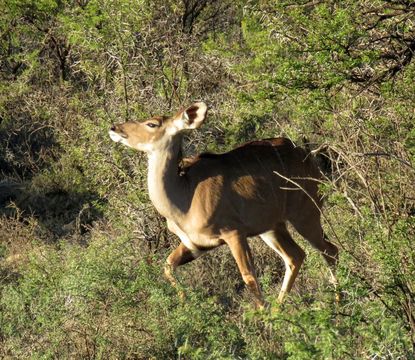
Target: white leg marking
290,269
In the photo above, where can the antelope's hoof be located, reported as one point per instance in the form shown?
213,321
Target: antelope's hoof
338,297
262,305
182,295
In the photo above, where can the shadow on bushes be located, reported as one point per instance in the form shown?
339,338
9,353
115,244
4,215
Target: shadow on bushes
28,147
59,212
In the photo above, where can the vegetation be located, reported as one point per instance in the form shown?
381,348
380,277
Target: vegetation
81,247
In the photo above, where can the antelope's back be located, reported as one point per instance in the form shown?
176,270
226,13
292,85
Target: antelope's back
281,169
272,178
259,159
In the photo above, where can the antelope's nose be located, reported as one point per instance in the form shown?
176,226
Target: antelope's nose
113,127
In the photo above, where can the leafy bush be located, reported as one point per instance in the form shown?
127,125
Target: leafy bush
81,247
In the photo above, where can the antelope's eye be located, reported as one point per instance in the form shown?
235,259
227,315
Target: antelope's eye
152,125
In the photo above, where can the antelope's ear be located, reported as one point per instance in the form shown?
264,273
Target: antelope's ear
192,117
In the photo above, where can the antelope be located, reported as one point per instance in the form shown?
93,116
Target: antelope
216,199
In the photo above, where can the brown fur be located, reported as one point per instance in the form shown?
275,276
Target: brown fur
212,199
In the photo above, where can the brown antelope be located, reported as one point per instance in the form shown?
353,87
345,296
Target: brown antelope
218,199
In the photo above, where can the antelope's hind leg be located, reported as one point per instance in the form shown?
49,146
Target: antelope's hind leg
311,229
293,255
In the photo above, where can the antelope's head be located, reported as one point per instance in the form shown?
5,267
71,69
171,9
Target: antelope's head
157,132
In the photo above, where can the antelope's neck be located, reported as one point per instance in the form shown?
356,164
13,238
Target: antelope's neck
168,191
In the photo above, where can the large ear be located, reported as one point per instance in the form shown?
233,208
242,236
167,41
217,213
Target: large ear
192,117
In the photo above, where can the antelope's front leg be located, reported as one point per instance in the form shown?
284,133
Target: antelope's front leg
242,254
181,255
